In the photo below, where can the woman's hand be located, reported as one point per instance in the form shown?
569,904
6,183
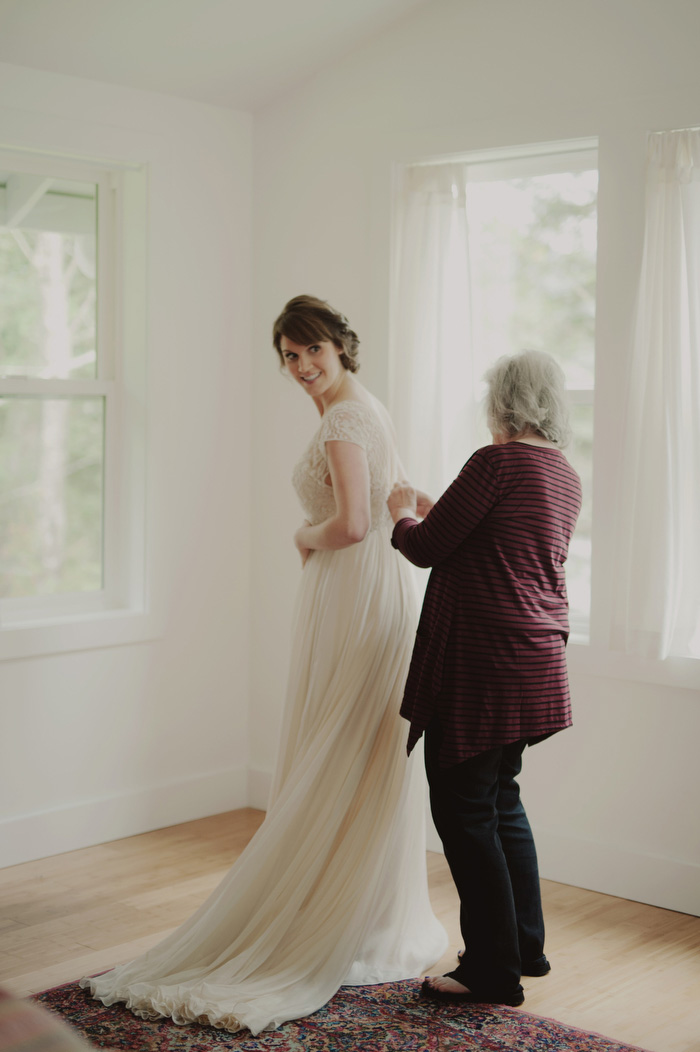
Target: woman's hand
402,501
299,542
424,503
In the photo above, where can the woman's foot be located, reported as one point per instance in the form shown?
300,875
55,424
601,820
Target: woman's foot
445,984
447,988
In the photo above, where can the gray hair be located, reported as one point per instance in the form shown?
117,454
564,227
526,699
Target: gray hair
527,395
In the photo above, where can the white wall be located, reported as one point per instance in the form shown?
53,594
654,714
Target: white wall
108,742
613,800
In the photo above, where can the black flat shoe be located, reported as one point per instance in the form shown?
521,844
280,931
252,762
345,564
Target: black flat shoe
426,990
539,967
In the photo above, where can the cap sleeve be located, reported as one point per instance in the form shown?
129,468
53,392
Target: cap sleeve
347,422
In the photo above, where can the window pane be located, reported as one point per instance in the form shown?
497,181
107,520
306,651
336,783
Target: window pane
532,245
51,485
48,248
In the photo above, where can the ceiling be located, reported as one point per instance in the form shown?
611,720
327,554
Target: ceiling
238,53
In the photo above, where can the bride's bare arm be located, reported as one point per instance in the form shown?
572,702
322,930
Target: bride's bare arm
349,476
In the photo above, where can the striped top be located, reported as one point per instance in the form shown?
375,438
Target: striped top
495,616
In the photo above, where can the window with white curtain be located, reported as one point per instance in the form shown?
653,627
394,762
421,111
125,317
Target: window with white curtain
495,253
71,329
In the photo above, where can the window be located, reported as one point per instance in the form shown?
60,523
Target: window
71,295
508,243
532,251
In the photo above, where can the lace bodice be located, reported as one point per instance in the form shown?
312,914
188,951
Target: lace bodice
366,425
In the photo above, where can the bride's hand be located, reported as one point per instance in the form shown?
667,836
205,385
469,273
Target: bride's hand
300,546
402,501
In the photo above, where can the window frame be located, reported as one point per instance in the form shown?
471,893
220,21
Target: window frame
121,610
621,189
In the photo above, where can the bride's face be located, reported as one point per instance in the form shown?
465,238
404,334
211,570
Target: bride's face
316,367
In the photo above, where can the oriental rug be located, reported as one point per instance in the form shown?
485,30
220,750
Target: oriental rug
391,1017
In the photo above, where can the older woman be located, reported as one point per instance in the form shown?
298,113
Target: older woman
488,672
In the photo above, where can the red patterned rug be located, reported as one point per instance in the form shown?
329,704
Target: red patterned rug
387,1018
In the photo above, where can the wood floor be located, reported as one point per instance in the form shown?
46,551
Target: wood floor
620,968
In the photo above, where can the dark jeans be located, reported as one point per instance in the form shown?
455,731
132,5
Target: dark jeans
491,853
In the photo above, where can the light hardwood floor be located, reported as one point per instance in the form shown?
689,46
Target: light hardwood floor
620,968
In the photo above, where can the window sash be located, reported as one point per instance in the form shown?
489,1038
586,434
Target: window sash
120,310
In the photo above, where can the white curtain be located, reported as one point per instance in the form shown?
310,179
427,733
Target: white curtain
433,382
656,608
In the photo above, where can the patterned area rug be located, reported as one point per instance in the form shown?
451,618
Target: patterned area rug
387,1018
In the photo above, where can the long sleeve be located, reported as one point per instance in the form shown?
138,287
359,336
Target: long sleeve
458,511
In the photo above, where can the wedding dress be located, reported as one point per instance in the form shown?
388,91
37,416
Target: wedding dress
332,889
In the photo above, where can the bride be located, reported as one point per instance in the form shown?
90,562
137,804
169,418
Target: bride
332,889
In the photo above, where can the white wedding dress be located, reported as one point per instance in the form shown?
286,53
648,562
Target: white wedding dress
332,889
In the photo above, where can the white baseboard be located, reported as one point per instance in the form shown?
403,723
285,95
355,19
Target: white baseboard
610,869
91,822
259,784
614,870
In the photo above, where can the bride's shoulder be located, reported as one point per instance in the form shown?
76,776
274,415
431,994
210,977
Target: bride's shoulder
348,407
363,405
352,419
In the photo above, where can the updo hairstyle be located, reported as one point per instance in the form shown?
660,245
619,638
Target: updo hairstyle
307,320
527,395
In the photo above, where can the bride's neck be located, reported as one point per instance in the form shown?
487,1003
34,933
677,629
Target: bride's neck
344,390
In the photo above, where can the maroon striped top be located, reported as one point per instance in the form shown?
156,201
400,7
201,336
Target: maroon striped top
489,654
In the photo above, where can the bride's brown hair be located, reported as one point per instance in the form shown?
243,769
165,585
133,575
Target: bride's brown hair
307,320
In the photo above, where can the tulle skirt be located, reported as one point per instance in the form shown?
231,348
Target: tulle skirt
332,889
